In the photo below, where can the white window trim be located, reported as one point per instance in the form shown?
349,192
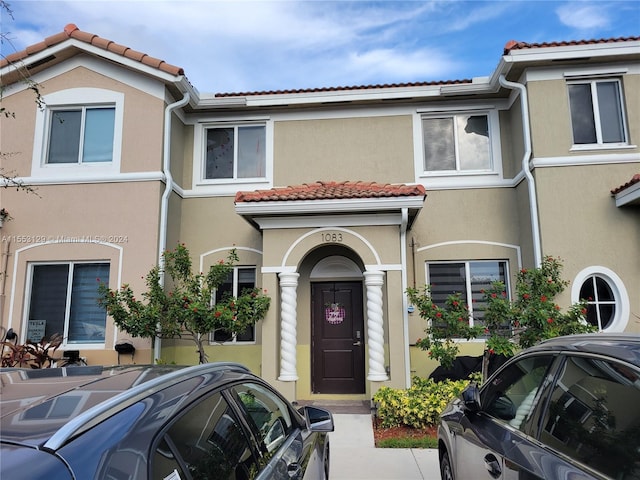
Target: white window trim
27,303
599,145
450,178
623,306
229,186
76,97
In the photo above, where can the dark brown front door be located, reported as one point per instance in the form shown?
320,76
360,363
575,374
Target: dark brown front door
337,338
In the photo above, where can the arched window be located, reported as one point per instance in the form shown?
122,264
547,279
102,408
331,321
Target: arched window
606,297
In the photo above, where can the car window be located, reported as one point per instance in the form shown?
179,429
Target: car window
593,416
510,395
268,415
208,442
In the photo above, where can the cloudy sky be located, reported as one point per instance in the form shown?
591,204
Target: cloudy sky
244,45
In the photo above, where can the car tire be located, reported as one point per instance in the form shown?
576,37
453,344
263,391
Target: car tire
326,462
446,472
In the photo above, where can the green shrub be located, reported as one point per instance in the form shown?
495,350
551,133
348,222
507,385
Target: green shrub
418,406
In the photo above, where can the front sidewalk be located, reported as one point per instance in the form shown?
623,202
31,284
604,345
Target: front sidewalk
354,456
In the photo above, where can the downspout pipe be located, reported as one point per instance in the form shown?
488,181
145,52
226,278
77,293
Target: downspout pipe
405,306
164,203
526,167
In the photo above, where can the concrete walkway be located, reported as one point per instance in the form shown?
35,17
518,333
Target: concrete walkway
354,456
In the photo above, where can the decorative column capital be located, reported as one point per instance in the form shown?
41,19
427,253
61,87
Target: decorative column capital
288,279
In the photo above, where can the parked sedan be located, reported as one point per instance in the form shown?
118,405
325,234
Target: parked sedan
212,421
568,408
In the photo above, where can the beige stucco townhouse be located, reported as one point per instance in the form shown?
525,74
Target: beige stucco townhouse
336,200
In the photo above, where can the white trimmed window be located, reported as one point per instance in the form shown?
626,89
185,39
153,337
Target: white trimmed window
469,279
63,299
235,152
238,280
597,112
458,142
79,133
608,306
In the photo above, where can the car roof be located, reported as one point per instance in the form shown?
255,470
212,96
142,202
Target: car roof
622,346
46,407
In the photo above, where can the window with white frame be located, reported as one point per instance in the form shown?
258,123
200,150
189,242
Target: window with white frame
597,113
235,152
238,280
80,135
64,299
469,279
457,142
608,305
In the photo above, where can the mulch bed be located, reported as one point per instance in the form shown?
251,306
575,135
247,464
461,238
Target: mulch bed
380,433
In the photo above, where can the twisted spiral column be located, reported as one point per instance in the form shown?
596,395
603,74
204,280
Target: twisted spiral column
288,323
374,280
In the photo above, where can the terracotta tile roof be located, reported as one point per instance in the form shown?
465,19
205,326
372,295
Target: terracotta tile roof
72,31
635,179
514,45
331,191
347,88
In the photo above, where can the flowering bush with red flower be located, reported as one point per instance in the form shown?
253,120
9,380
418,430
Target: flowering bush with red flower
444,325
185,307
535,316
507,324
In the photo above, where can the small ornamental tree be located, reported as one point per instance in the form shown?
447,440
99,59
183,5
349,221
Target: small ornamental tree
507,324
186,307
445,324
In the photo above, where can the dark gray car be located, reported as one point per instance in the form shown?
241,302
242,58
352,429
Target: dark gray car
568,408
212,421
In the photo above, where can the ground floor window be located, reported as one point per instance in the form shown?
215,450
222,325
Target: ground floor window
601,302
469,279
240,279
63,299
608,306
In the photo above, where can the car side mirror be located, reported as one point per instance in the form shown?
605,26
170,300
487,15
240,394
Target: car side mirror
471,398
318,419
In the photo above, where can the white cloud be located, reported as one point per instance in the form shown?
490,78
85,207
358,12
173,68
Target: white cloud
398,65
248,45
584,16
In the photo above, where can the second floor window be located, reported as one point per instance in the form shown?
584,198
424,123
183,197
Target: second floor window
597,116
235,152
81,135
457,143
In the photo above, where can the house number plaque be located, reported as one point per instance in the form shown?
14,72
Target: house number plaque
331,237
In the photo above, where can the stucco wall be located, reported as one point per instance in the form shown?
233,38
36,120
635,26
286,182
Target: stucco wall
369,149
551,119
580,223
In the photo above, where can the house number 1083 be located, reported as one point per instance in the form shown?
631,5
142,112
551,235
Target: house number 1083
331,237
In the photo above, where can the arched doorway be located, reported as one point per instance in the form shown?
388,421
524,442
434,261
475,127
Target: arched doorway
337,327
